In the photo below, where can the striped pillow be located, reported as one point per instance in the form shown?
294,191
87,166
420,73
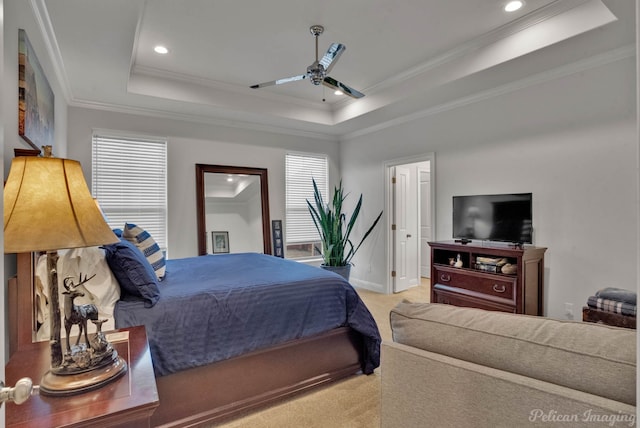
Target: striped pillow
145,243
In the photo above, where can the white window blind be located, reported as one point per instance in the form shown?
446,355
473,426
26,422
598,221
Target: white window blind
300,169
129,179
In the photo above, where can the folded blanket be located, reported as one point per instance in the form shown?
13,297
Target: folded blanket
611,306
617,294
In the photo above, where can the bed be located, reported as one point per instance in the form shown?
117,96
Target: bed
248,345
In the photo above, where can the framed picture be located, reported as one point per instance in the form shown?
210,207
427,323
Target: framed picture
220,242
35,97
276,231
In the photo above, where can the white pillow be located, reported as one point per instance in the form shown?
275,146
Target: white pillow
102,290
41,298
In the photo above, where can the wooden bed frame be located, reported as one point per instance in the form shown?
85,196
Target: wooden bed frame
224,389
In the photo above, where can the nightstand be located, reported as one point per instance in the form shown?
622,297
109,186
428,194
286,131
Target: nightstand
128,401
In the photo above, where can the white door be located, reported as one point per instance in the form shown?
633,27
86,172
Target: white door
402,237
426,233
408,217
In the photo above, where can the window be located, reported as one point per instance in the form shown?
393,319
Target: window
129,180
301,236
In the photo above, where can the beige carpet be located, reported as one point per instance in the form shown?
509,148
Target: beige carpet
351,403
381,304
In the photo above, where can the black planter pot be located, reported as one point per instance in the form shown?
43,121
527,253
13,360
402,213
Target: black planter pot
343,271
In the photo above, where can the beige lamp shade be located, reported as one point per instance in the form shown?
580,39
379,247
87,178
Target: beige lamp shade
48,206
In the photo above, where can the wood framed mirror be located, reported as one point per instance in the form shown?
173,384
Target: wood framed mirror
232,204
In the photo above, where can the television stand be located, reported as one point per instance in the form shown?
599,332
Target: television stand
492,277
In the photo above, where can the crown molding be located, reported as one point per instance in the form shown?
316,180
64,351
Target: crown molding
41,15
585,64
207,120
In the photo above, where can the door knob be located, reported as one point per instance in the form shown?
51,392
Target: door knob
19,393
408,235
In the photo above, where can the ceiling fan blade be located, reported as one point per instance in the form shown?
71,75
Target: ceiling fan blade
334,84
332,55
279,81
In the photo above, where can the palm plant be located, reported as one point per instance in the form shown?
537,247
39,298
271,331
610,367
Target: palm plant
330,221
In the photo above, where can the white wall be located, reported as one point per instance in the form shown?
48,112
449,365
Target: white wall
19,15
571,141
191,143
14,15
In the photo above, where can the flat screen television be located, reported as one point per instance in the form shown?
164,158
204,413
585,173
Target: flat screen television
505,218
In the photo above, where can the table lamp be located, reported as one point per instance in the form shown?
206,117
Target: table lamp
47,206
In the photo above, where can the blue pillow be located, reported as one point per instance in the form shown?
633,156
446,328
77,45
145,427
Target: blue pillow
133,272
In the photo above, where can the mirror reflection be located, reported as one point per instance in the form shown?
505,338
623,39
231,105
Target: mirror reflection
232,210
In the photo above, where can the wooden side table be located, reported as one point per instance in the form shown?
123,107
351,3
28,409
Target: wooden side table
128,401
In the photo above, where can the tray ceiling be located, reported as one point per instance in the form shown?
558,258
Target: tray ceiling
407,56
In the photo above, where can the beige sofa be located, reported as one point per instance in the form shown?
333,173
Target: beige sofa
461,367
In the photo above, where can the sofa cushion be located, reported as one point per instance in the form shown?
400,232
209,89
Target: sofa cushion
589,357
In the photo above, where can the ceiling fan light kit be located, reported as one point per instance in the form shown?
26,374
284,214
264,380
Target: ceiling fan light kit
318,70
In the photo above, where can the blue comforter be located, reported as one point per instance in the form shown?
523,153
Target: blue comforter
216,307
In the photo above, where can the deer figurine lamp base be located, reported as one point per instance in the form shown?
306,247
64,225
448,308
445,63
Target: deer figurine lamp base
83,366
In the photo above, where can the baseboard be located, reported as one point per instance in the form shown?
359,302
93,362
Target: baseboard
368,285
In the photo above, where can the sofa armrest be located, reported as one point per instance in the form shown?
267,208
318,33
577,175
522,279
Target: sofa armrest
422,388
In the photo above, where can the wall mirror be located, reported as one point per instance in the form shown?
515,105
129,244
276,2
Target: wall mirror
232,209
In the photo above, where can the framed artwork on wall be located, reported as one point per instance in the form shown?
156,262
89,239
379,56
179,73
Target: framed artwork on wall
35,97
276,230
220,242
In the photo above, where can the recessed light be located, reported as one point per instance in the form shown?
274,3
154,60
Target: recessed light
161,50
338,92
512,6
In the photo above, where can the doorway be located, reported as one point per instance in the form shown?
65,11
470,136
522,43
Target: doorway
410,201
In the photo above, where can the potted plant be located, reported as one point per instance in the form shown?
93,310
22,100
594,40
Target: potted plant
335,231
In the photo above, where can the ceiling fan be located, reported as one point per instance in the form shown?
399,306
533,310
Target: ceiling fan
317,72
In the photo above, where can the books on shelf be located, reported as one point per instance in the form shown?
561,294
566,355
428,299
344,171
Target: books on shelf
490,264
496,261
488,268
